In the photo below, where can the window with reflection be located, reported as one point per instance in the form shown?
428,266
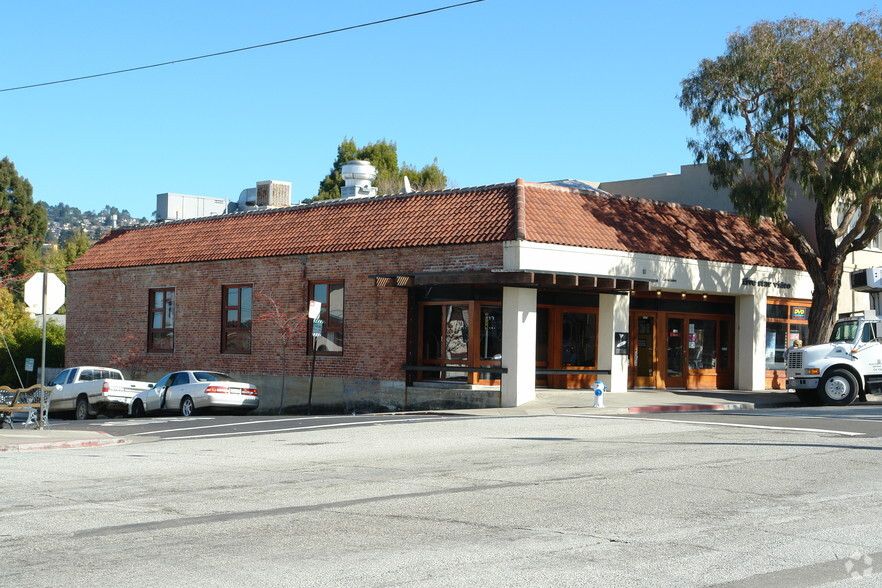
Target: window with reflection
161,329
236,324
702,342
326,330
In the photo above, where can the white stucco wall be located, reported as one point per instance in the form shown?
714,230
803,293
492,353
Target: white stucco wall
751,286
669,274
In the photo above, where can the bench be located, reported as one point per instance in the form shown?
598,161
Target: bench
26,400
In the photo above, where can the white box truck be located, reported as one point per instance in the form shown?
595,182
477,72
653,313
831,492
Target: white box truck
850,364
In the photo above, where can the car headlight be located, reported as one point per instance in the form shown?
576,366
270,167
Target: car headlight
813,372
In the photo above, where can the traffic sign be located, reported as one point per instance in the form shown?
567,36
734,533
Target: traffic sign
33,293
317,327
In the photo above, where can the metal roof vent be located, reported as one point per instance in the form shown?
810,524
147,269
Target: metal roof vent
358,175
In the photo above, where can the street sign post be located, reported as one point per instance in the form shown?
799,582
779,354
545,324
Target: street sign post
44,294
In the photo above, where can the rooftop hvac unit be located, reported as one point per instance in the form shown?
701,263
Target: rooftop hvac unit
273,193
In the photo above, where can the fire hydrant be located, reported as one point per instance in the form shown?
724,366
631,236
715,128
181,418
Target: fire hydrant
598,394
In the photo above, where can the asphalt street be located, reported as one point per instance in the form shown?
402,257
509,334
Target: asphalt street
856,419
789,498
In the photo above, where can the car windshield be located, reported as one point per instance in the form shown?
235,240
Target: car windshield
212,377
844,331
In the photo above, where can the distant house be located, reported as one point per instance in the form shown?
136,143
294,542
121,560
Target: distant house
465,297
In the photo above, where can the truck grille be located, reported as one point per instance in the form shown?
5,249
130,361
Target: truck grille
794,360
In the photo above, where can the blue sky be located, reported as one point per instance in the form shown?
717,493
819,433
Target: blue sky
541,90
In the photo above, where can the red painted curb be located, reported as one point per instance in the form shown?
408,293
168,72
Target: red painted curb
68,444
688,407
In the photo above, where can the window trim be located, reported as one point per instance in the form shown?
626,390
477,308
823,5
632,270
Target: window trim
327,328
225,309
165,312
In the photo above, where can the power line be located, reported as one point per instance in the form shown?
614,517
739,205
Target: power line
239,50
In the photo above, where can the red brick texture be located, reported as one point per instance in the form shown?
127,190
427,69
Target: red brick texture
105,306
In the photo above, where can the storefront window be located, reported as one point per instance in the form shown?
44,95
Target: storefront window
542,336
456,340
579,342
725,354
446,338
491,332
675,348
786,326
702,344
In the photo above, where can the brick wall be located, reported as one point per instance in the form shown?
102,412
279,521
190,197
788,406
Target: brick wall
108,312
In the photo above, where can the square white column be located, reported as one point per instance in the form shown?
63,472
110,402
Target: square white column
750,342
518,345
612,318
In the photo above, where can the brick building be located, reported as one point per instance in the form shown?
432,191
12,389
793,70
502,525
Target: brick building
465,297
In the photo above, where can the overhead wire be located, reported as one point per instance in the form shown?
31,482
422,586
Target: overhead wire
241,49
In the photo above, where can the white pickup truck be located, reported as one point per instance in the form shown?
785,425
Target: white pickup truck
86,390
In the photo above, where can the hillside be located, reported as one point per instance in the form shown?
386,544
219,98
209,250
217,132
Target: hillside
64,220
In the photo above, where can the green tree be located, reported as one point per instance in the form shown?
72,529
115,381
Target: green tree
798,100
21,337
22,223
383,155
75,245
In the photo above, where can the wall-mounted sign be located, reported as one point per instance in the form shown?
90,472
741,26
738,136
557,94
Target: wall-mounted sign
766,284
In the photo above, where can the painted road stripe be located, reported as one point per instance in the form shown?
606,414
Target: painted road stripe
718,424
252,432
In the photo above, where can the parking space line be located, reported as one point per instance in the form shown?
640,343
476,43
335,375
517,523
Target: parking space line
719,424
285,430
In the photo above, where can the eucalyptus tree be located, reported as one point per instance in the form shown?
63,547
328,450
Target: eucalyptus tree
794,106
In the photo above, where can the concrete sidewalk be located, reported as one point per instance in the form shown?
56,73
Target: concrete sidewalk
548,402
32,439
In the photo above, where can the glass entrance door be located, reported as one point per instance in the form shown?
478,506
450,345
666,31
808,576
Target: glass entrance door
675,368
643,372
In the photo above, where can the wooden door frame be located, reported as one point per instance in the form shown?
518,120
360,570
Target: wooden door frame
654,380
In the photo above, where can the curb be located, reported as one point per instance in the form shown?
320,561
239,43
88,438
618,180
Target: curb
66,444
691,407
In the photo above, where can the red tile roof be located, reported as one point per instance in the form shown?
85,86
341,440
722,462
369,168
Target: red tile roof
626,223
543,213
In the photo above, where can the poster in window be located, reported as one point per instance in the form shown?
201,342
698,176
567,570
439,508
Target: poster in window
621,343
798,313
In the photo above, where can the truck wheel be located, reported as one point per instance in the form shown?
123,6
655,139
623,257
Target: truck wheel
187,408
138,409
838,388
81,411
